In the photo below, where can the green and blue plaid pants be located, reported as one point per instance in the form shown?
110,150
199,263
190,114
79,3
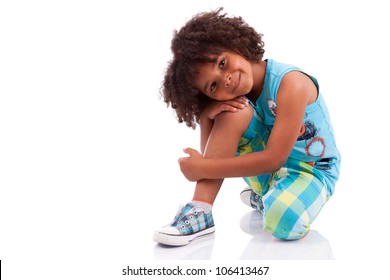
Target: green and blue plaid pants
293,196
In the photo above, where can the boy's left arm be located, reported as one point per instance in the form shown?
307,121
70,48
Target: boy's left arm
295,93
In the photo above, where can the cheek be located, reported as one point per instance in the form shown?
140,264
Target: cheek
247,85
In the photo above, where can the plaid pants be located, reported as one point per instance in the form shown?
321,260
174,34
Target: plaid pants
293,196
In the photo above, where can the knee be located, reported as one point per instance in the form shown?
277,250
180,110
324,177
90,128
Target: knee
241,116
225,133
287,225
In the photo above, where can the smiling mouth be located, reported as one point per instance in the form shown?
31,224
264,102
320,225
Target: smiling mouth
237,83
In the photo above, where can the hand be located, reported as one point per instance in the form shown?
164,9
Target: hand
216,107
190,165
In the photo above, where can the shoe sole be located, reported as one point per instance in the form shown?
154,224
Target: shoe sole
180,240
245,196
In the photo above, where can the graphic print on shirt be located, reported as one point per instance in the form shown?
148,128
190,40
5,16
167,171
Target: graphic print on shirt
272,107
316,145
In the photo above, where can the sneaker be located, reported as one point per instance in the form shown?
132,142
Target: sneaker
252,199
190,222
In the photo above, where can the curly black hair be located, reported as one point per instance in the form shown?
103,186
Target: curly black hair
205,35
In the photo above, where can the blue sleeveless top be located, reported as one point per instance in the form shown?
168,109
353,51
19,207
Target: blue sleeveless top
316,144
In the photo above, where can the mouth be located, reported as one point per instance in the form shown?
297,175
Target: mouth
237,83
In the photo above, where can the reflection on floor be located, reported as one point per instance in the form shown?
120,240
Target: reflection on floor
199,249
262,246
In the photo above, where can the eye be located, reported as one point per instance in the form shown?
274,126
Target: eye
222,63
213,86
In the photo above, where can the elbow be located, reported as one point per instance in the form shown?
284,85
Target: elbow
276,162
276,165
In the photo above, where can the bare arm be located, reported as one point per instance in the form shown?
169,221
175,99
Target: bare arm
295,93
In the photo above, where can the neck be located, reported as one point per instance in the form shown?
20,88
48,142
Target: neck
258,72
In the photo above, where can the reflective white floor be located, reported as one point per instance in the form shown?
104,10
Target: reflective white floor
239,236
260,246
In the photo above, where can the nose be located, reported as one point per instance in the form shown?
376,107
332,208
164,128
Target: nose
228,80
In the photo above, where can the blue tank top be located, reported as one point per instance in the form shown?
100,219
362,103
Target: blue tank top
316,144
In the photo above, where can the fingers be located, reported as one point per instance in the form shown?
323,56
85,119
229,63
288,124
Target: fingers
229,107
242,100
232,105
237,103
187,150
190,152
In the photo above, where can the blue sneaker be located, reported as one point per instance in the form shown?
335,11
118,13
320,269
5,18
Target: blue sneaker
252,199
190,222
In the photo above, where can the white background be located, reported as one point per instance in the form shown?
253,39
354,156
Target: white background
88,150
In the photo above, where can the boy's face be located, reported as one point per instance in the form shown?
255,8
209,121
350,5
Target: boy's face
229,77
